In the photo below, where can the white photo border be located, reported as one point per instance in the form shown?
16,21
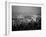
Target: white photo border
9,15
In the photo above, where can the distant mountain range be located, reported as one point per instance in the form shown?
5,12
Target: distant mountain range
26,19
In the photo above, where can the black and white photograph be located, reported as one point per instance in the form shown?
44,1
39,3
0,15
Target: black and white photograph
22,18
26,18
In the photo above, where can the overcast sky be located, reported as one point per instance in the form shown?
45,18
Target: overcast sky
25,10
